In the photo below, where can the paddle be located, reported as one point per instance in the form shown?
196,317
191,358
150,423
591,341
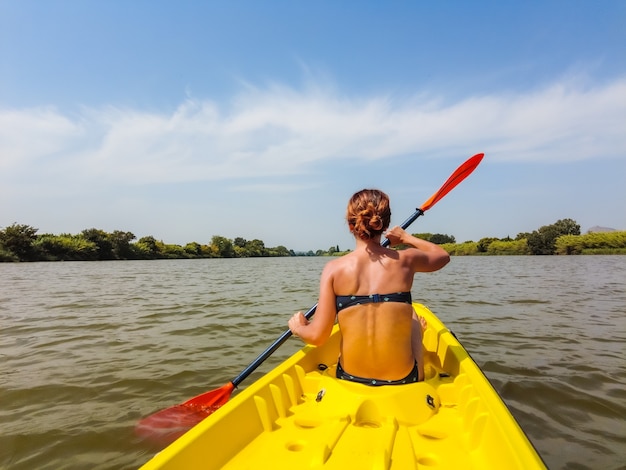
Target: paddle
170,423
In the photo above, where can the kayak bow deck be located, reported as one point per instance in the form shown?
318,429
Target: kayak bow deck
300,416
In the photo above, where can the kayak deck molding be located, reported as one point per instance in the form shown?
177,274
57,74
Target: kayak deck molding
300,416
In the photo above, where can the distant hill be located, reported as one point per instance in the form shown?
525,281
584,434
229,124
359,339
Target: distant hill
597,228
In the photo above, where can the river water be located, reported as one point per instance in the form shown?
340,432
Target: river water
87,349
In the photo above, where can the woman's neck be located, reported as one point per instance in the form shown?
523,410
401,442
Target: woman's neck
368,244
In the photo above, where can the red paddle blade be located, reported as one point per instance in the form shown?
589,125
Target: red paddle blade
212,398
167,425
459,175
164,427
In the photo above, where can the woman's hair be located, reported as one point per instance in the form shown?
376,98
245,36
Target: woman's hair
368,213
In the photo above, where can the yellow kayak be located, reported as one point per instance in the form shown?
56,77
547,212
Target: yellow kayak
300,416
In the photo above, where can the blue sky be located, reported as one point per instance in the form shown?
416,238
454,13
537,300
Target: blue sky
184,120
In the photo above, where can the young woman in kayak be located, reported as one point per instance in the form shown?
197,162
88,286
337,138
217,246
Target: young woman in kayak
369,292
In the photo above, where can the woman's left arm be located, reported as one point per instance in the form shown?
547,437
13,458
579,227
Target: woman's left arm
427,258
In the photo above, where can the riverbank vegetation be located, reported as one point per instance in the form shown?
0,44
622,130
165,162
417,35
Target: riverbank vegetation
560,238
608,243
22,243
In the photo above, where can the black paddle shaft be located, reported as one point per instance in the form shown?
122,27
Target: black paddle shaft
285,336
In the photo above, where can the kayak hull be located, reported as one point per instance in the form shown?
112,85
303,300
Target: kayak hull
300,416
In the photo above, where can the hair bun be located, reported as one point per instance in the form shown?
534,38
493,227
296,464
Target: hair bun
375,222
368,213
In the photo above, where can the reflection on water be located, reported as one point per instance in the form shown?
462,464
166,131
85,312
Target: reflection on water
87,349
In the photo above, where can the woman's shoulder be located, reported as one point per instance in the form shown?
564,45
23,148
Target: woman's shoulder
340,261
341,264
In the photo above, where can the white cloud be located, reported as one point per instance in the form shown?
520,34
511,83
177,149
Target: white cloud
29,134
280,130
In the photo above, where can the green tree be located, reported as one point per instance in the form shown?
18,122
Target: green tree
194,249
483,244
280,251
103,242
148,248
255,248
440,239
567,227
19,239
240,242
543,240
424,236
222,246
121,247
174,251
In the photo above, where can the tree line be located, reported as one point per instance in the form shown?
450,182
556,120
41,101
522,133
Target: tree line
561,238
20,242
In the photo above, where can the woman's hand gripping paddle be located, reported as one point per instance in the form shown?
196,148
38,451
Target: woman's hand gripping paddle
167,425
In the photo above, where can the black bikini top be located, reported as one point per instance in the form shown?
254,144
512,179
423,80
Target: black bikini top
345,301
